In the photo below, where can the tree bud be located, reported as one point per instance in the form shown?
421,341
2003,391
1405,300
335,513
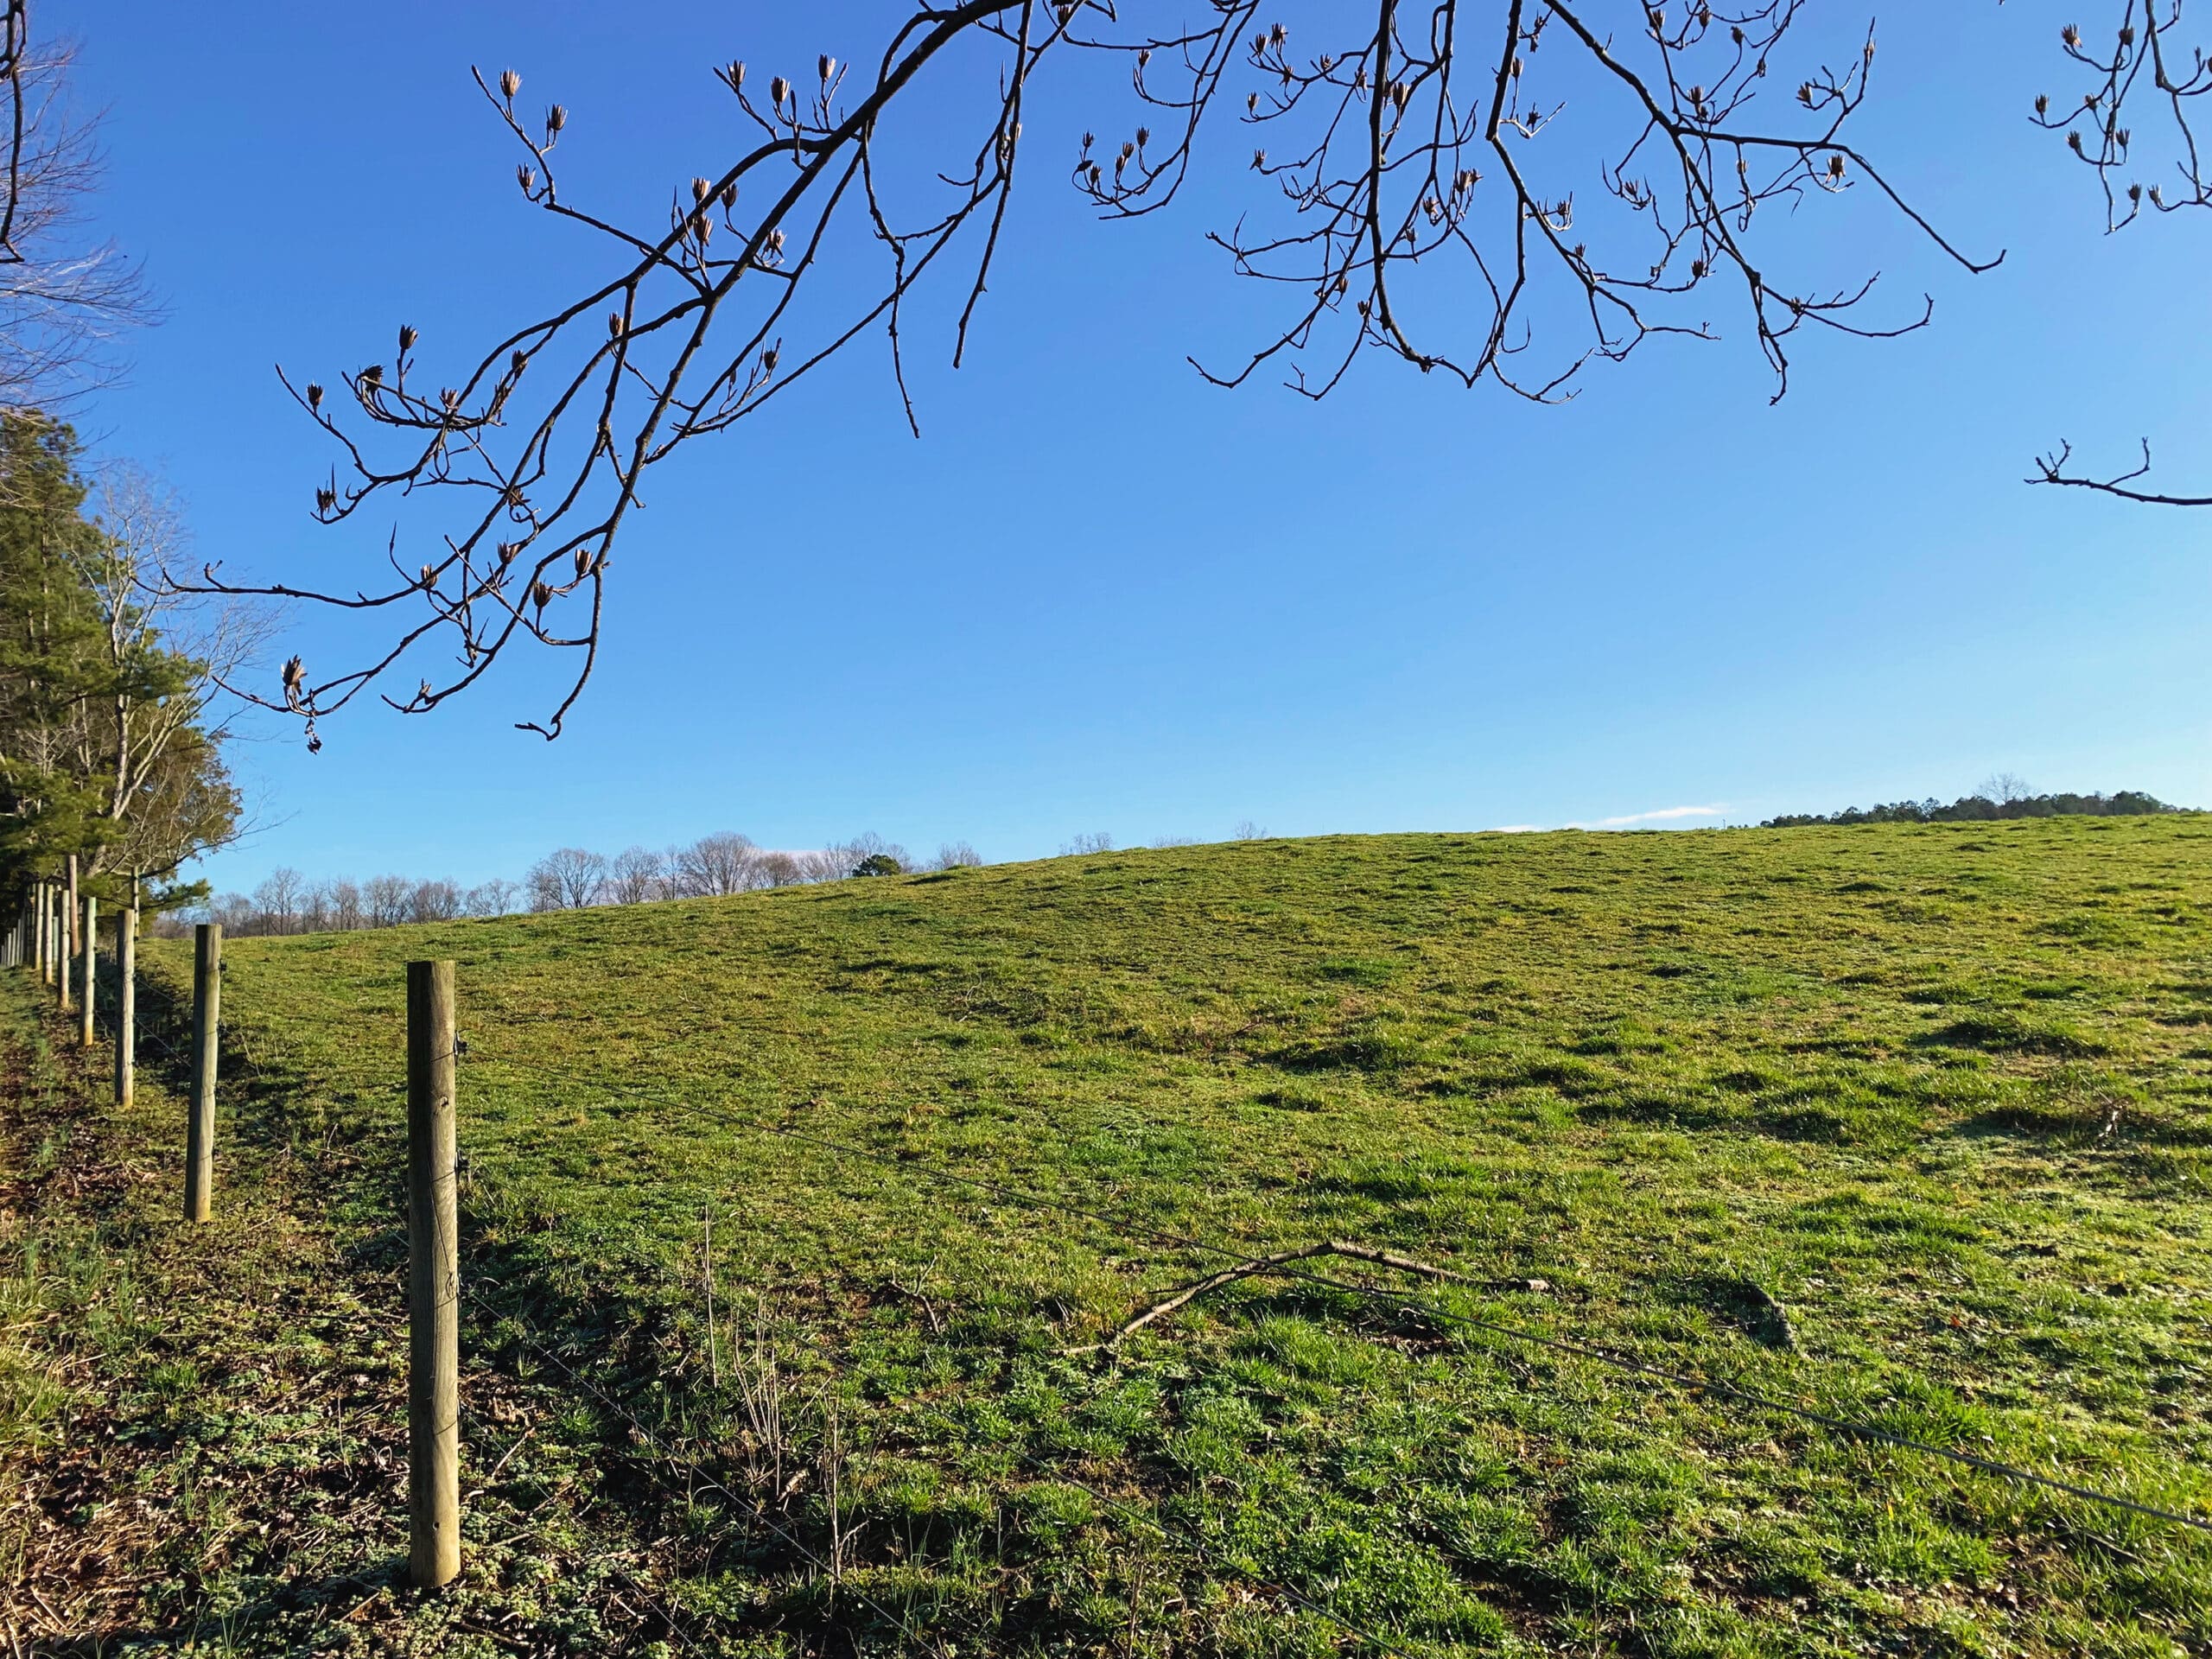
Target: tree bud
407,337
509,84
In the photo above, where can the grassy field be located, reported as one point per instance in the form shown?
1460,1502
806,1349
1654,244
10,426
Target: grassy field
1906,1125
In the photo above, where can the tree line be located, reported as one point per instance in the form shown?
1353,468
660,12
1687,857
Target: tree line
2001,798
573,878
568,878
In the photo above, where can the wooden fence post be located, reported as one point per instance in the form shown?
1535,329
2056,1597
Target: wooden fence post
126,1003
206,1031
68,935
91,957
45,931
433,1282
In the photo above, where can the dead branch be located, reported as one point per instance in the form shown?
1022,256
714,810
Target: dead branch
1259,1266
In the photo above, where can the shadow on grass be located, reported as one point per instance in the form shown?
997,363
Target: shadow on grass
584,1357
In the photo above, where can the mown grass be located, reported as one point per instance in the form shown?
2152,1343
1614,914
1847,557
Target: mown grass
1903,1124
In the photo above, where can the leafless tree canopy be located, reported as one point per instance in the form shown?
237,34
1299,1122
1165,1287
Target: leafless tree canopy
63,298
1411,199
2148,68
714,866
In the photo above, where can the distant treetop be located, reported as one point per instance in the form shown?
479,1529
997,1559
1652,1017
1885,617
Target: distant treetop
1983,808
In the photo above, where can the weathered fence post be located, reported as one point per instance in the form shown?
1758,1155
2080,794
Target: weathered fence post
45,931
126,1001
206,1030
91,957
433,1282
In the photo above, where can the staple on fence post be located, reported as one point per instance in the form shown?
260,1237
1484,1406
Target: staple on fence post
206,1030
126,1001
433,1282
91,957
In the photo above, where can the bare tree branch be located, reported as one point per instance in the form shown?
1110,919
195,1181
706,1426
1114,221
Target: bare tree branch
1419,142
2157,70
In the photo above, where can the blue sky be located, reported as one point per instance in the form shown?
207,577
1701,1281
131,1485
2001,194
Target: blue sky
1099,594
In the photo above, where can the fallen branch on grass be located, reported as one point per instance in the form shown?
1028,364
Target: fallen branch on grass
1265,1264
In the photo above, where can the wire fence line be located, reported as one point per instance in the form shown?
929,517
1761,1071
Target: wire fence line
1130,1229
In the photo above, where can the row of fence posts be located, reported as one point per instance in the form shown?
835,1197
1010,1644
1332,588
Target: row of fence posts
55,934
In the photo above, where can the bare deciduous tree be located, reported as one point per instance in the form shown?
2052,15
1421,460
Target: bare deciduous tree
384,900
152,744
437,901
638,875
956,855
779,870
1414,137
281,899
717,865
568,879
492,897
345,906
63,296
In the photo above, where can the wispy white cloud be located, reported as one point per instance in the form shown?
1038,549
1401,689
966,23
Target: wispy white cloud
1516,830
1664,815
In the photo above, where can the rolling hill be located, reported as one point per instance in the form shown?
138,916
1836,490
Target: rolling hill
799,1228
